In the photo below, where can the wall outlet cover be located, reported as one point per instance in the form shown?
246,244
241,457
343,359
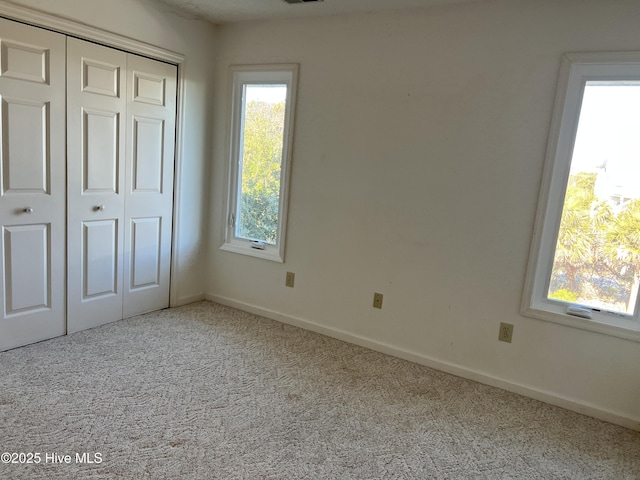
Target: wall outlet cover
506,332
290,280
377,300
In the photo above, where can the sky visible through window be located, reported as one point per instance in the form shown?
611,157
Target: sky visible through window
609,131
266,93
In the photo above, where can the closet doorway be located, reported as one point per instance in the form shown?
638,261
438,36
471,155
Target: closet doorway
86,197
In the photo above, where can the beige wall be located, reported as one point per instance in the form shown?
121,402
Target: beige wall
418,152
419,144
144,21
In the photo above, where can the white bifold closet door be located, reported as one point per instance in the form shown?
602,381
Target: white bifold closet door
120,144
32,184
86,184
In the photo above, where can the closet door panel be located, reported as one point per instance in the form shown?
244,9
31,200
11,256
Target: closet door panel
96,107
146,252
151,111
25,156
27,268
32,184
147,155
100,156
100,259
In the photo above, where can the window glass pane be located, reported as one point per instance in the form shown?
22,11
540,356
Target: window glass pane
597,256
263,116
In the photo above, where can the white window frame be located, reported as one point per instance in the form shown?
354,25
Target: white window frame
575,71
258,74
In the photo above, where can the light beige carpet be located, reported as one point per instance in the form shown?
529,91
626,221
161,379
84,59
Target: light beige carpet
209,392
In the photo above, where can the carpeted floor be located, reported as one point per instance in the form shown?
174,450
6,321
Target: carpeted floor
208,392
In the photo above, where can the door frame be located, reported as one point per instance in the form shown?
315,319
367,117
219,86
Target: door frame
109,39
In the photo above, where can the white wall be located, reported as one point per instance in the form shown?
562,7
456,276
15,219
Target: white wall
142,20
419,145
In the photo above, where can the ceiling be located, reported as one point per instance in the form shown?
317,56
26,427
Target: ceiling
227,11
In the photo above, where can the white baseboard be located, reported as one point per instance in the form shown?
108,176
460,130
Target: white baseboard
460,371
190,299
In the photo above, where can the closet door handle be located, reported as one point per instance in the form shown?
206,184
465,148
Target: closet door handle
98,208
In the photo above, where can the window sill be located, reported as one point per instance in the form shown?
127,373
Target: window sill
270,253
627,329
